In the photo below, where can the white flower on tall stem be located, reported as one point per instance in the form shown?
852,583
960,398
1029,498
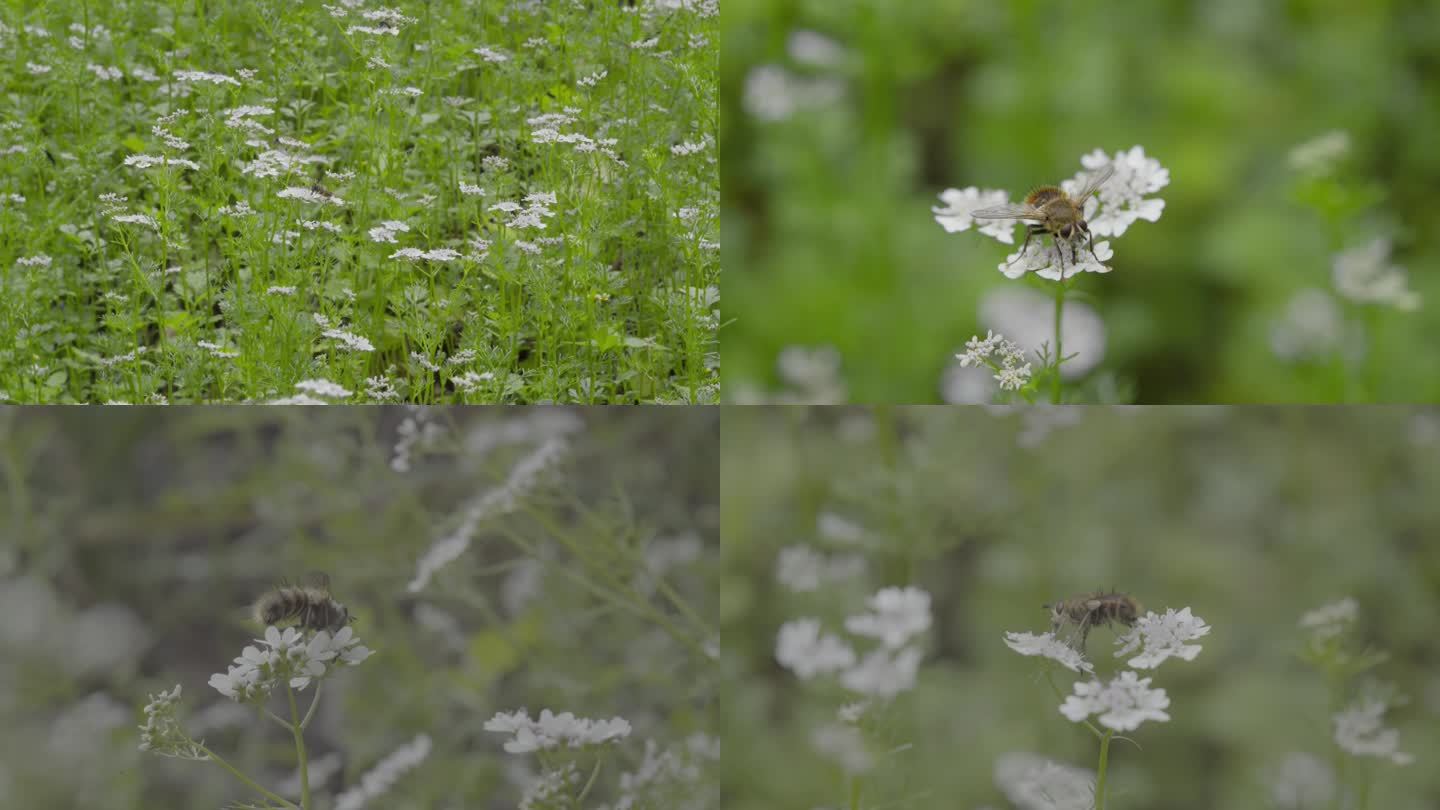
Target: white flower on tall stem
801,648
1123,703
1364,275
1331,620
1163,637
550,730
883,673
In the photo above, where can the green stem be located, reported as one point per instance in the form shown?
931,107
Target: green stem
315,701
1059,354
216,758
299,750
854,792
589,783
1364,793
1100,772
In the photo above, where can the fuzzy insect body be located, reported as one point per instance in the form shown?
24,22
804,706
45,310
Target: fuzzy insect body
307,606
1090,610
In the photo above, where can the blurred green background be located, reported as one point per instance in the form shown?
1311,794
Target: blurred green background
1246,515
132,541
831,168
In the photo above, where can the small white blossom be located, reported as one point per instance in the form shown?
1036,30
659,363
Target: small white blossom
1332,619
38,260
960,203
378,779
323,388
801,568
1047,645
1123,703
202,76
898,614
1032,782
1365,275
1311,326
1004,357
1163,637
1320,153
1046,260
883,673
1121,199
801,648
1359,731
843,744
1302,782
161,732
550,731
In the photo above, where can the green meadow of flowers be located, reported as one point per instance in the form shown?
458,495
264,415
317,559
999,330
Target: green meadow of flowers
458,202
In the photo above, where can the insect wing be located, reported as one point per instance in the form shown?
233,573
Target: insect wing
1008,211
1093,183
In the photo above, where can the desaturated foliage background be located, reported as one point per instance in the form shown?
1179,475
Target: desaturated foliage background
1251,517
131,541
844,121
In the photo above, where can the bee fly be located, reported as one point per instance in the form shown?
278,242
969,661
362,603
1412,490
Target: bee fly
1054,212
1093,609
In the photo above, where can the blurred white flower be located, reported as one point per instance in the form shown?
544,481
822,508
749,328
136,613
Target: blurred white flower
801,648
1047,645
801,568
772,93
897,615
814,373
1163,637
960,203
1311,325
289,657
1121,199
843,744
1032,782
551,789
552,730
814,49
1302,782
882,674
1359,731
1123,703
1365,275
1028,317
379,778
1331,620
1320,153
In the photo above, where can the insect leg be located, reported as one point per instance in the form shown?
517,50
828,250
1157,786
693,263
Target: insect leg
1092,253
1030,230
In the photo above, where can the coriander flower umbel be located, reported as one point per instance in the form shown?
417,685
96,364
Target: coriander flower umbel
290,657
898,614
1004,357
1047,645
551,730
1162,637
1123,703
161,732
883,673
1115,205
1332,619
1365,275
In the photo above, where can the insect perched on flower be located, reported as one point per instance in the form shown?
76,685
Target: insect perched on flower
1055,212
1092,609
309,605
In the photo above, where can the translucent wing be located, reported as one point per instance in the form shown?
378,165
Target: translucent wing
1093,183
1008,211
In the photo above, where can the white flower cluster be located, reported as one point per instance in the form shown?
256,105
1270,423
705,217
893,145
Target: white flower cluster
1032,782
1364,275
802,568
1331,620
897,615
1119,202
290,657
1359,731
161,731
550,731
1004,357
1127,700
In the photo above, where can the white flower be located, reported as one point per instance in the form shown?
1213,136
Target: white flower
1163,637
882,676
843,744
1332,619
1004,357
323,388
38,260
1044,259
1047,645
1302,782
959,203
351,341
552,730
800,648
1032,782
1321,152
1028,317
1312,325
307,194
1121,199
161,732
801,568
1365,275
1123,703
1358,731
898,614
